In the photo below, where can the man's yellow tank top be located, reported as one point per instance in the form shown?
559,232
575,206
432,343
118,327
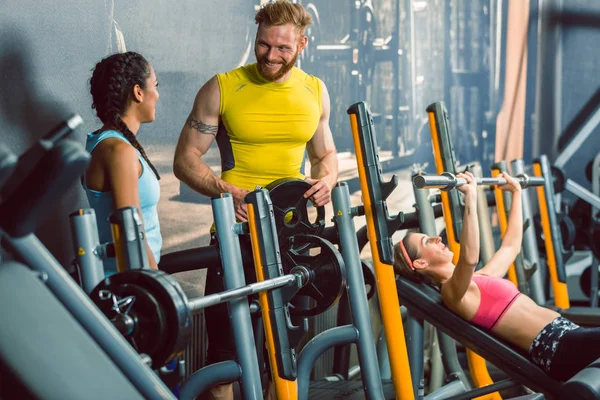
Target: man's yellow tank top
265,125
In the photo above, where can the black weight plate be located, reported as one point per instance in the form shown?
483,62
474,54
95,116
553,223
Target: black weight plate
179,317
290,210
175,315
149,317
327,269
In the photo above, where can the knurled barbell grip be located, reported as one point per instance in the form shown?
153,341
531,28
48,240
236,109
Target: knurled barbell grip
448,181
299,276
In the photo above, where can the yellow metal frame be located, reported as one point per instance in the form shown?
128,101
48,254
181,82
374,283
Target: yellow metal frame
561,294
386,290
477,365
503,219
284,389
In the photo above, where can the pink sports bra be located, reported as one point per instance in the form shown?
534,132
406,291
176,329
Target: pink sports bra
497,295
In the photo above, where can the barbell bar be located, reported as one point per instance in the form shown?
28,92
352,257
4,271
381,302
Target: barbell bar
448,181
299,275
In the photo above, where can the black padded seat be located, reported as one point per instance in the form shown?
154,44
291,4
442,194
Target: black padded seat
584,316
44,351
427,303
585,385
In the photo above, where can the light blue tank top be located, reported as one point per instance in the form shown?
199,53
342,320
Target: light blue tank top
102,202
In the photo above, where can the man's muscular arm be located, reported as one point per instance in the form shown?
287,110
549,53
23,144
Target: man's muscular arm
323,157
195,139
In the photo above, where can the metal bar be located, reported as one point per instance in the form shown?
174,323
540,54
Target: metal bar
503,205
548,107
357,295
447,345
33,253
371,185
449,181
596,181
554,256
436,375
275,317
575,144
252,288
239,312
530,247
84,229
505,384
415,347
382,354
582,193
452,388
317,346
486,238
203,379
445,161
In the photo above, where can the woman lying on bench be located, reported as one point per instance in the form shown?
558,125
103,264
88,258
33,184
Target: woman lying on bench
485,298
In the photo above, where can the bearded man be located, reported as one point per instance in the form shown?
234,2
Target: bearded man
265,116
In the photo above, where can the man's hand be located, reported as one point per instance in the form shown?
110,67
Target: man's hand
470,188
319,193
241,210
512,185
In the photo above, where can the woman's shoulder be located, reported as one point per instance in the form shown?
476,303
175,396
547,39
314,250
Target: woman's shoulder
113,150
106,138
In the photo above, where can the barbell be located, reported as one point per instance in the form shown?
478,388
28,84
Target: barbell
449,181
151,311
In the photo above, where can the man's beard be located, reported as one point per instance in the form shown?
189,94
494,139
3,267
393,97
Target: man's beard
274,76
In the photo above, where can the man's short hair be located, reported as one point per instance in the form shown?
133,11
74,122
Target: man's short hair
283,12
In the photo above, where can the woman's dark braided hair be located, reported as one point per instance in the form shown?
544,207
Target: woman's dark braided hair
112,85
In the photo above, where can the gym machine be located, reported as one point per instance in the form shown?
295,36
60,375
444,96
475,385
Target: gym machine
427,303
311,276
445,161
47,295
556,254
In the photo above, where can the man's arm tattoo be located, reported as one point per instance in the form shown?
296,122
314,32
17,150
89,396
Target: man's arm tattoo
202,127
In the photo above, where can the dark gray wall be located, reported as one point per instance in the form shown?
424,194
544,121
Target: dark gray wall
48,49
580,81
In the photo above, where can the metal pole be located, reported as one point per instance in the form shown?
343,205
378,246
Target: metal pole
33,253
253,288
447,344
415,347
530,248
504,206
583,193
205,378
239,311
357,295
486,238
84,229
449,181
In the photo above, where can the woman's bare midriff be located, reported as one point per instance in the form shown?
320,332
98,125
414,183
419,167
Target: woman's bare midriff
523,321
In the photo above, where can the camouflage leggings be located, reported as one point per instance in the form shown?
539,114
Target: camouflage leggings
562,348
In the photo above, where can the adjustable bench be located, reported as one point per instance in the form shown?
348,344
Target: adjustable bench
426,302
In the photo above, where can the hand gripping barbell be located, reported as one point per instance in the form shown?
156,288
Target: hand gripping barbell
449,181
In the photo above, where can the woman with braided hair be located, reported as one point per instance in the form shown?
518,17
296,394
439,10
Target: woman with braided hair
124,94
483,297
